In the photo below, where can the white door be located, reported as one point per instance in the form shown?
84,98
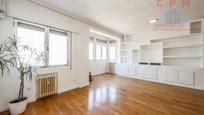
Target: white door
186,77
171,76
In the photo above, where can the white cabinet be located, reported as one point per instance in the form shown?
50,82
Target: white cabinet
126,69
176,75
147,72
151,72
185,77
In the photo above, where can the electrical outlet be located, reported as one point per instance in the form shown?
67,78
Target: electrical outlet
29,88
74,79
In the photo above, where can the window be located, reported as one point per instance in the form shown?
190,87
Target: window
104,52
54,43
98,52
112,52
57,48
101,48
91,51
33,37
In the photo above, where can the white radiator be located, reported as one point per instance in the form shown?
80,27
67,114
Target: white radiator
47,84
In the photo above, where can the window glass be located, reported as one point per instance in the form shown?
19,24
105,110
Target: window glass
104,52
112,52
55,45
34,39
98,52
57,49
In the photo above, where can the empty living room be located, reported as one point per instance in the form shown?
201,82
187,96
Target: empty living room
101,57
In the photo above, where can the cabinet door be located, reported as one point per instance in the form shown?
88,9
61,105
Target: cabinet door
171,76
132,70
186,77
119,69
151,73
141,71
122,69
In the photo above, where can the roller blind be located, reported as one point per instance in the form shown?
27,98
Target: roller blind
101,41
61,33
31,27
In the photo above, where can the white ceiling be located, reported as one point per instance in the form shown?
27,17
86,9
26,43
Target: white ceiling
123,16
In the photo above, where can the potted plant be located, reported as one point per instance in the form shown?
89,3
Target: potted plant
22,58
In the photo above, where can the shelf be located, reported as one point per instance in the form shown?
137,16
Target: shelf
182,56
129,42
124,56
135,54
125,49
187,62
128,50
175,37
181,46
152,45
123,43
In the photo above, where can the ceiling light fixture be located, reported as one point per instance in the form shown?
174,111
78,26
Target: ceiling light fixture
153,21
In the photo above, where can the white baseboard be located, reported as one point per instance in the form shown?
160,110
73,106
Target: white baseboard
65,90
84,85
5,108
69,89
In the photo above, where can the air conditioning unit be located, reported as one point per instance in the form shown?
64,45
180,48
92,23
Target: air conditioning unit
3,8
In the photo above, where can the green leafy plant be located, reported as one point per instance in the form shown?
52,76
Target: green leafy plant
22,58
4,61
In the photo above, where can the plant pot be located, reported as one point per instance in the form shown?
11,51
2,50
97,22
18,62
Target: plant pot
17,107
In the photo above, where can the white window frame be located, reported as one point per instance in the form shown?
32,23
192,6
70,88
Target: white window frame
46,38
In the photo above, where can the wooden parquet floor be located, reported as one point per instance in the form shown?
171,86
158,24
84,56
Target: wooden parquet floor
113,95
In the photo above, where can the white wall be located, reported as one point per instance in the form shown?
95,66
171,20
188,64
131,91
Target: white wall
98,67
68,79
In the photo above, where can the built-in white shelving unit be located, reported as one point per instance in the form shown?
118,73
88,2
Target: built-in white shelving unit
172,60
128,53
151,53
185,50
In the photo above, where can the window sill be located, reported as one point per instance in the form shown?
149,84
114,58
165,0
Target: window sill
52,66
